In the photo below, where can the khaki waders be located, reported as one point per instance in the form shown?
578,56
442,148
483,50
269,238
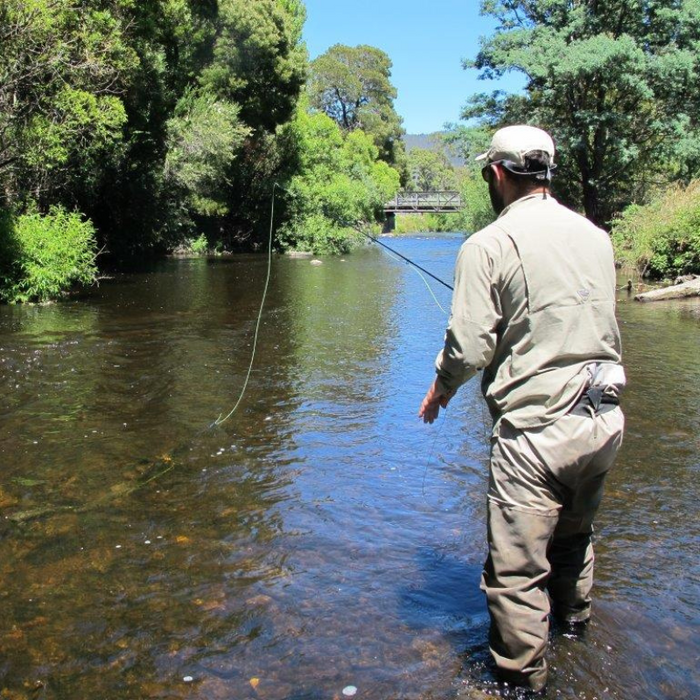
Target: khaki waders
545,487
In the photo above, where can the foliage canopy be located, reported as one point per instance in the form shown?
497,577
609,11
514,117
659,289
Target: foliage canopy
341,184
616,83
352,85
430,170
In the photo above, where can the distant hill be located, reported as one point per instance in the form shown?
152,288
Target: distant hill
432,142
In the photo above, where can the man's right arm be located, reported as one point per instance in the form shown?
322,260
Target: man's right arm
470,338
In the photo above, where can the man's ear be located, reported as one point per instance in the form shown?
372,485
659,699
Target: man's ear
497,173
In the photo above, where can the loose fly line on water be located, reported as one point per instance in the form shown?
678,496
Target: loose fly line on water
220,420
420,274
167,462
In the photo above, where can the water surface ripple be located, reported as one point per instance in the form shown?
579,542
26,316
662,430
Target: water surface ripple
322,537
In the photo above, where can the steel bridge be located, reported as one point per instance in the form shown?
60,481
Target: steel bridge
420,203
424,202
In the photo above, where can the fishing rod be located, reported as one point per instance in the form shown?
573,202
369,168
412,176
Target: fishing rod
384,245
403,257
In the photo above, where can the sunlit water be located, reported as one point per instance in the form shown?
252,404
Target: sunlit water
322,537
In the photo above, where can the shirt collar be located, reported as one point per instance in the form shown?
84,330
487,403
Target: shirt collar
527,197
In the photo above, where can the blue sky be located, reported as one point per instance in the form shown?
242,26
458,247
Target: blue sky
426,41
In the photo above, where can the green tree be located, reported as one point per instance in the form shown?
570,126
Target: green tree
616,83
259,61
63,68
134,208
477,211
340,184
352,85
215,81
430,171
204,136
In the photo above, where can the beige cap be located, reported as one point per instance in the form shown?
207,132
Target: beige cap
513,143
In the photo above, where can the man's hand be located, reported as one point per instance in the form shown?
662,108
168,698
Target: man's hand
433,401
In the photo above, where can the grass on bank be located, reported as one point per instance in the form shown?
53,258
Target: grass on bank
661,239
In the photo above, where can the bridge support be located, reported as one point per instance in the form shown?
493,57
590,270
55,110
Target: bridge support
389,222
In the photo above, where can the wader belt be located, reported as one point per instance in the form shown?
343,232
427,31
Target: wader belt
594,402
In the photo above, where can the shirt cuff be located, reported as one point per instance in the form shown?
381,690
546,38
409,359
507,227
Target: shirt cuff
442,387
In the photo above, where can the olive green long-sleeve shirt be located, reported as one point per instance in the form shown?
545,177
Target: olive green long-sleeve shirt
533,305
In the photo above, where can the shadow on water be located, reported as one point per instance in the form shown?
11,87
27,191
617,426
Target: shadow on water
448,599
323,537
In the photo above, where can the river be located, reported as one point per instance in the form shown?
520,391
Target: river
322,537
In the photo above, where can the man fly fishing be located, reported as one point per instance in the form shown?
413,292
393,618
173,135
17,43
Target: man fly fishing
534,308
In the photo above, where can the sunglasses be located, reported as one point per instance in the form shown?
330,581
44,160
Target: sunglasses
507,164
516,170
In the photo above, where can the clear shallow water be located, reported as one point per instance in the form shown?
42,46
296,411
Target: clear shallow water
323,536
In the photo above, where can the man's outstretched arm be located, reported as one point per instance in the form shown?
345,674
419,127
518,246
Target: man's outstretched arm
470,338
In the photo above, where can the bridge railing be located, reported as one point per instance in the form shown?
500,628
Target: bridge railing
424,202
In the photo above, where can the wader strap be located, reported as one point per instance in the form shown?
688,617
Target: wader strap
594,402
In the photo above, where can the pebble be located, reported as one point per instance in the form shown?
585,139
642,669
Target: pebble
188,679
349,691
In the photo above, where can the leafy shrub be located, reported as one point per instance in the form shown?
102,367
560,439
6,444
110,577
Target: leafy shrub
204,137
51,254
341,183
413,223
662,238
199,245
319,235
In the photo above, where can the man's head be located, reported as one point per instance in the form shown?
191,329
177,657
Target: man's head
519,161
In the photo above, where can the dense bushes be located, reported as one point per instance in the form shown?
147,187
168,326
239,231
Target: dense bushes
152,118
662,238
44,257
425,223
340,183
